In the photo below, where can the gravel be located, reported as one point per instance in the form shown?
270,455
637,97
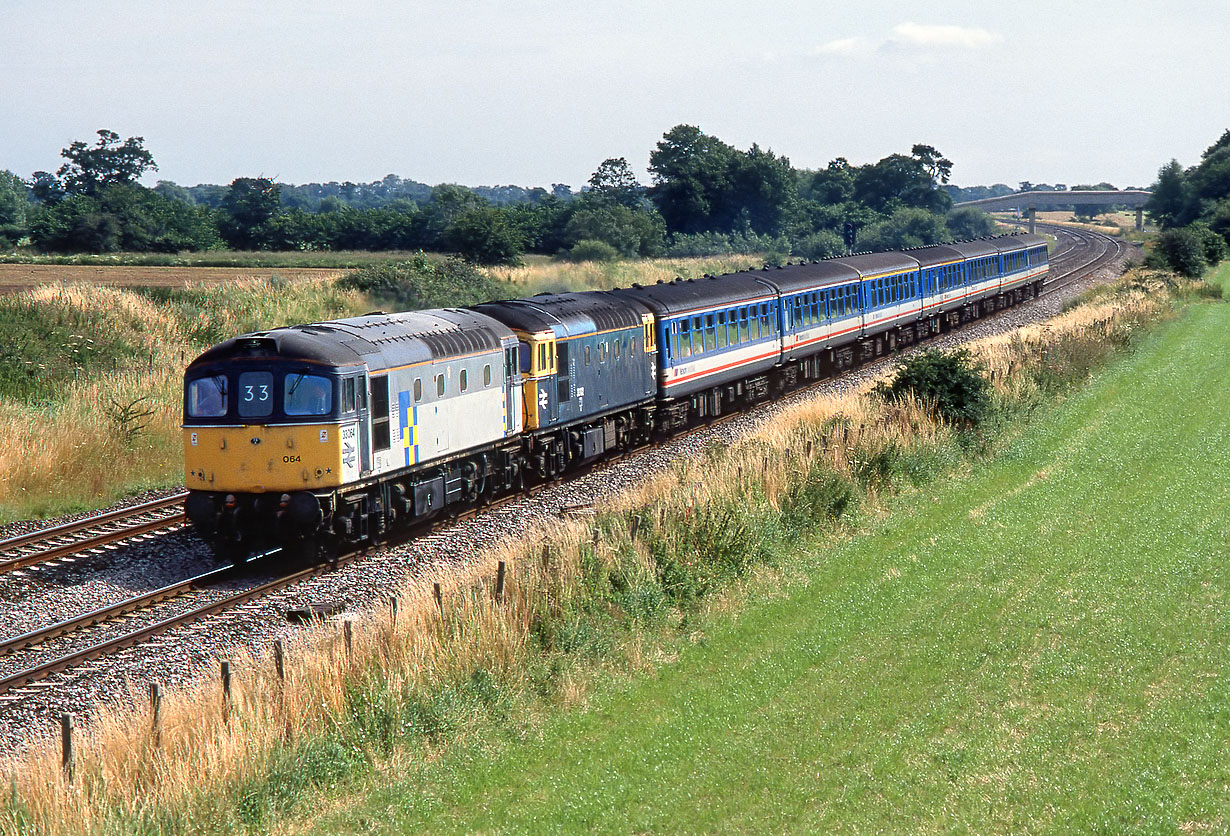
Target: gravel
45,595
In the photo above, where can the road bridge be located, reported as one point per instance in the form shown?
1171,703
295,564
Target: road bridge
1050,199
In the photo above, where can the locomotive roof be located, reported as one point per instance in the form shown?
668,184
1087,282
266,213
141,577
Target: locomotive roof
382,340
567,314
682,295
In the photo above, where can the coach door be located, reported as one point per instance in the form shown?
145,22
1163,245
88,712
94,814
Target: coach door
512,391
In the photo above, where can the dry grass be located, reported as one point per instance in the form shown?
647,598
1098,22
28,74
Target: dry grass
63,453
122,777
540,274
15,277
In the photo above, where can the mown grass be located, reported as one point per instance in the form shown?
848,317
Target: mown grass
743,663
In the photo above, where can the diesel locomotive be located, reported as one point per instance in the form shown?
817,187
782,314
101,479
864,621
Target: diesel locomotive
336,433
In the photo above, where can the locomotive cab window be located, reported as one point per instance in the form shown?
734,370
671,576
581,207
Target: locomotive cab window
486,375
418,389
463,380
256,395
207,397
307,394
439,386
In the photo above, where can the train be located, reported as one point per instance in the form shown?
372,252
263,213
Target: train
337,434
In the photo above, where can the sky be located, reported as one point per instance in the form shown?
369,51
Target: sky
537,92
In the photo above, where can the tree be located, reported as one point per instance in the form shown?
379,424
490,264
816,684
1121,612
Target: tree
13,201
899,181
614,182
1168,203
833,184
933,162
691,179
907,227
90,169
484,235
249,205
630,232
968,222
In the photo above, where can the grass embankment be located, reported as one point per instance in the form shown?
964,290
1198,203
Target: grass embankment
975,658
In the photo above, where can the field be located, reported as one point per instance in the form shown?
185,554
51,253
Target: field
15,277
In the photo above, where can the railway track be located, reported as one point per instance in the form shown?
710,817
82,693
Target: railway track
91,534
1080,253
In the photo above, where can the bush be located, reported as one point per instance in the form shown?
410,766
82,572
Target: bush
1213,245
822,244
425,283
1180,250
590,250
950,381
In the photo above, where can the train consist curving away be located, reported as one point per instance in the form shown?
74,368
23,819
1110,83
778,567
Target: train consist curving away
337,433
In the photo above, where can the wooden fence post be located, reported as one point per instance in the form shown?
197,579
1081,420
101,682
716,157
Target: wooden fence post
279,661
155,707
348,635
66,745
226,689
635,527
439,595
392,611
499,581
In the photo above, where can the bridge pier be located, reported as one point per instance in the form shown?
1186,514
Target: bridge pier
1033,219
1140,218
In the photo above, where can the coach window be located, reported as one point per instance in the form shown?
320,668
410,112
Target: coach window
381,439
418,389
439,386
744,333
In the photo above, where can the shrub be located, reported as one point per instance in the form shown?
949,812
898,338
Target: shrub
950,381
589,249
1180,250
822,244
425,283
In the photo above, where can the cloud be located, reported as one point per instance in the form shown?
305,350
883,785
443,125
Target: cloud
933,35
910,35
843,46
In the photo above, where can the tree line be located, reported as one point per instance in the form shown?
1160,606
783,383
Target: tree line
705,197
1192,205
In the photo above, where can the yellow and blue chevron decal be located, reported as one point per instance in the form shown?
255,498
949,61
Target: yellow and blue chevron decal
407,419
